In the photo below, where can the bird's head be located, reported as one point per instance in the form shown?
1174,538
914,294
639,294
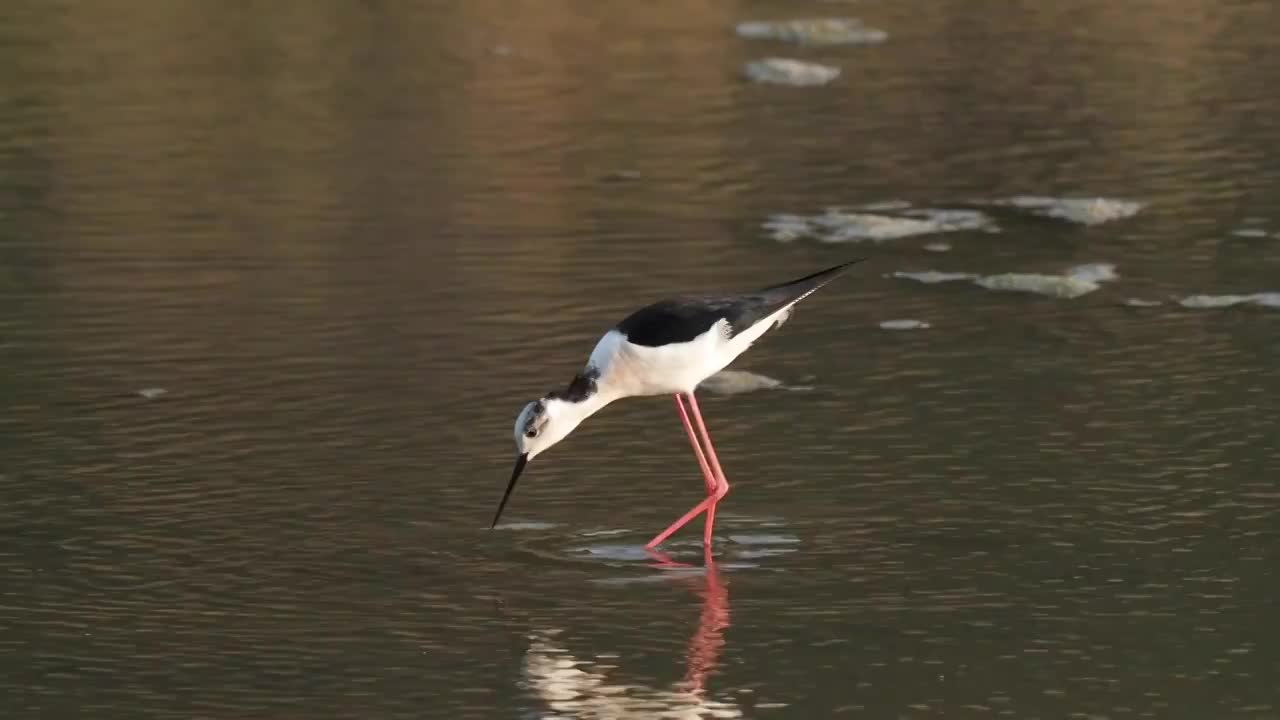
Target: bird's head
546,421
543,423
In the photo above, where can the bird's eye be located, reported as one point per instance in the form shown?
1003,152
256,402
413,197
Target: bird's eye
531,433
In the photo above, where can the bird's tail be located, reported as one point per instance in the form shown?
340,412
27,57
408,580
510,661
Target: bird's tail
796,290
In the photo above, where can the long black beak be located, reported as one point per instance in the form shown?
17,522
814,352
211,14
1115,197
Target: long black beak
515,475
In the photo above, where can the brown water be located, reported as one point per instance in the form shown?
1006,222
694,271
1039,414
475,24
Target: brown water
349,240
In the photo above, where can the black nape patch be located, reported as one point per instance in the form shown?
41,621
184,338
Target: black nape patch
581,387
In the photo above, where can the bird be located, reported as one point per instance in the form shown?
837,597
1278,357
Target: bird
668,347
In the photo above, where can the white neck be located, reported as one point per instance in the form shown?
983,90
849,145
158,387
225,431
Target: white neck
565,416
570,414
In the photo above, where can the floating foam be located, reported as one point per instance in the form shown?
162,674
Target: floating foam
1085,211
784,227
1264,299
904,325
837,225
1062,286
953,219
857,227
933,277
1093,272
817,31
785,71
1076,281
938,247
1250,233
1140,303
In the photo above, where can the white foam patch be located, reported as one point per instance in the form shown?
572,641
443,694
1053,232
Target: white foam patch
1250,233
815,31
1263,299
785,71
938,247
1093,272
953,219
1140,303
1076,281
841,227
785,227
904,324
933,277
1084,211
1060,286
837,225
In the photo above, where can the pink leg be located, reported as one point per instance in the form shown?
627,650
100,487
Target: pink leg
706,439
697,448
684,520
722,485
717,486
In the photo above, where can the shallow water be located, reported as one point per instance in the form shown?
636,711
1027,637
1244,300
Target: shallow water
275,280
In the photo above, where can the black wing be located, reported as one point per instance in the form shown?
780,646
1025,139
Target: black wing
682,319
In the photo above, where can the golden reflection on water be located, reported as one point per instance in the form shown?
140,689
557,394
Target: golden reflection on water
585,689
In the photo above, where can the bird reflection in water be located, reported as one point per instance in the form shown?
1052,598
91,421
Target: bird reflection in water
580,688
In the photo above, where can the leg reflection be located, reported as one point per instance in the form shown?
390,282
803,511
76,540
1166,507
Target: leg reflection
708,639
579,688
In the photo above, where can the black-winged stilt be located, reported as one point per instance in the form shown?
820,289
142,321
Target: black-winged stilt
668,347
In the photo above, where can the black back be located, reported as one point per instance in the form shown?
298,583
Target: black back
682,319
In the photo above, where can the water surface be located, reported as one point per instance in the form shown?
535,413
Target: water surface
275,279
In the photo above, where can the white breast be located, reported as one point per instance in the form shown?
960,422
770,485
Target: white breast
627,369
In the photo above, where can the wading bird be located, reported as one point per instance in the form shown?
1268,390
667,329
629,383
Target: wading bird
668,347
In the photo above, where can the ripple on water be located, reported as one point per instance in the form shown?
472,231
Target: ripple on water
816,31
904,324
730,551
529,525
612,552
624,548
